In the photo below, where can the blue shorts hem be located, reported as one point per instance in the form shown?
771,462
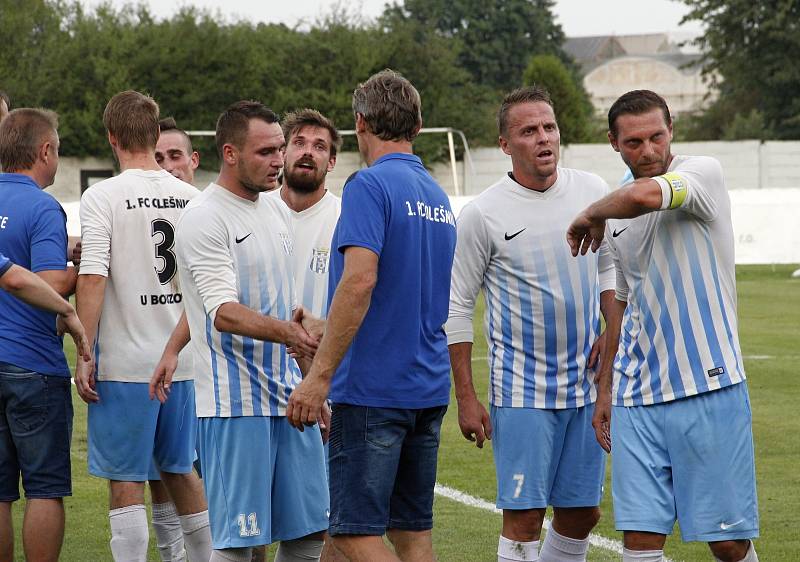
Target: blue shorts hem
177,469
645,527
300,533
345,529
722,536
119,477
582,502
48,495
419,525
520,506
9,499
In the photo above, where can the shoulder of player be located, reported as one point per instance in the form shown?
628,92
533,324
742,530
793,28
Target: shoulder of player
586,179
699,164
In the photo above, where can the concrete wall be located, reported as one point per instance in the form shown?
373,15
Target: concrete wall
747,165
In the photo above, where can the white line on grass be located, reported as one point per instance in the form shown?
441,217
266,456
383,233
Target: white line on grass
472,501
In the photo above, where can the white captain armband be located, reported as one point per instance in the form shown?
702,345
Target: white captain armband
673,190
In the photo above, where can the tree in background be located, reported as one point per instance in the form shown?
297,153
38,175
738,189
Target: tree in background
57,54
496,37
751,53
571,103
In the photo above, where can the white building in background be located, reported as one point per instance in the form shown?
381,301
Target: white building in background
662,62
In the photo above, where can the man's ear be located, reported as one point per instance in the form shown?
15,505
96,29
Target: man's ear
331,162
195,160
503,145
613,140
230,154
361,123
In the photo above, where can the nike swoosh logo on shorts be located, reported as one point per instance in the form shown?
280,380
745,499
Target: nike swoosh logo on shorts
240,240
726,526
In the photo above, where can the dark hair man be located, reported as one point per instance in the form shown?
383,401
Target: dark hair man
676,407
234,249
543,332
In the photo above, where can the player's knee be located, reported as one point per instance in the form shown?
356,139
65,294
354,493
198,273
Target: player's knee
730,551
299,550
523,524
576,522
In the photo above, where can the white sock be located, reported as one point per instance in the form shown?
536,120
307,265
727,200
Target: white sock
129,533
751,555
196,536
169,535
231,555
642,555
558,548
517,551
298,550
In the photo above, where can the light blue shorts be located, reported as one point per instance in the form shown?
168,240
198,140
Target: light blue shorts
690,460
129,434
546,457
264,480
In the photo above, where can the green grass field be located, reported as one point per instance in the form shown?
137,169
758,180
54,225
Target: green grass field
769,328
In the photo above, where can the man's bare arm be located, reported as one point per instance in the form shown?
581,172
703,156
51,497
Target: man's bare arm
473,419
348,308
89,302
63,281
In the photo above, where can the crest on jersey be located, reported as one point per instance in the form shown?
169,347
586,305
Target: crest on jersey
319,260
288,246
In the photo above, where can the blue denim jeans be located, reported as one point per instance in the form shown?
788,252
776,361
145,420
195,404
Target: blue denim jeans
382,468
35,434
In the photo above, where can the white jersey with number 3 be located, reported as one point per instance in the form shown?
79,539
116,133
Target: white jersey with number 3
675,268
313,231
128,235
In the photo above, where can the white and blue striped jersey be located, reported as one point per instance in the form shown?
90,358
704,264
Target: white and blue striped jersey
542,305
313,231
231,249
675,268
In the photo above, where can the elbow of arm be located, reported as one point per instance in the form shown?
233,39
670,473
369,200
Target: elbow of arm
13,282
645,197
365,282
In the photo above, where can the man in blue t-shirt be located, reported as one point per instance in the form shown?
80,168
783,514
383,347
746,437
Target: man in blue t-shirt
391,276
35,396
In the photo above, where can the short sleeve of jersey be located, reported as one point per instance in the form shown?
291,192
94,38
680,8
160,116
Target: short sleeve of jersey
95,213
49,238
473,251
5,264
692,188
364,216
201,242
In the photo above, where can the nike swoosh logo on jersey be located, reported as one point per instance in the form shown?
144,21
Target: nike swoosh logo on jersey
615,233
240,240
510,236
726,526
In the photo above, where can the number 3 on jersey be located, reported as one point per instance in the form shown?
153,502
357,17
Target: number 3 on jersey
163,234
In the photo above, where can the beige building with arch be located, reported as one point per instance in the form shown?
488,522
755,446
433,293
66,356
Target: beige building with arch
613,65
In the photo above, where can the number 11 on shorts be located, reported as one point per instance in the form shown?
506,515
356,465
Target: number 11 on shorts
248,526
520,478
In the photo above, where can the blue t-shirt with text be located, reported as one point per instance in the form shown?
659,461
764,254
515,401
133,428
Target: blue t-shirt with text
398,358
33,234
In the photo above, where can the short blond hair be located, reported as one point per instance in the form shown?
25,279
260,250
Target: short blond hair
390,105
132,118
22,134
